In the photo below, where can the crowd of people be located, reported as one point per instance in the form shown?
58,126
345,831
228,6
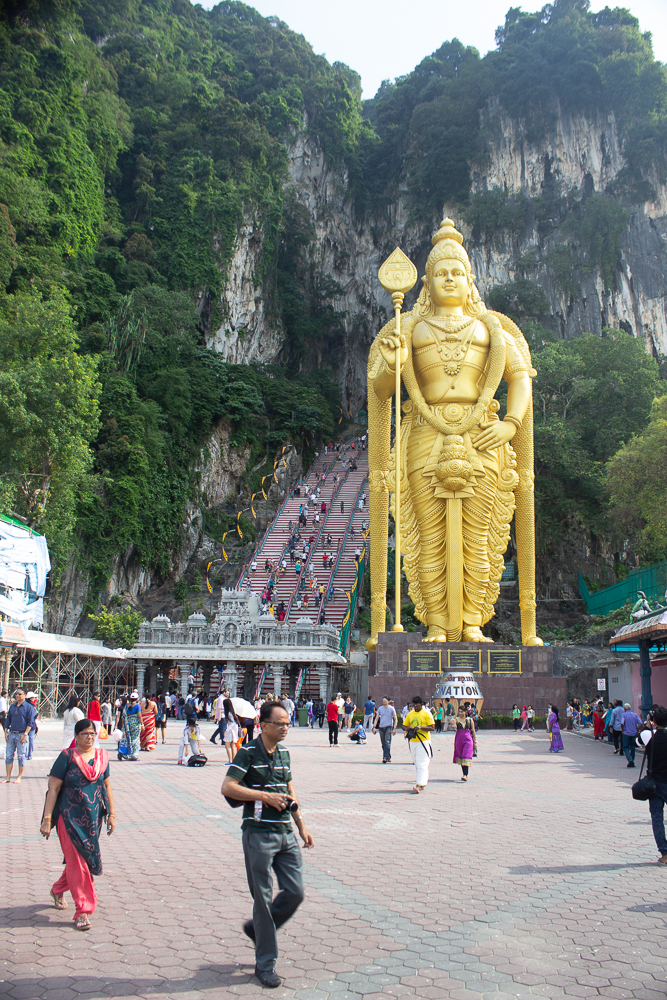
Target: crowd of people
306,545
79,801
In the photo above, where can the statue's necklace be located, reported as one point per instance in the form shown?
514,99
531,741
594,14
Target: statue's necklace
452,350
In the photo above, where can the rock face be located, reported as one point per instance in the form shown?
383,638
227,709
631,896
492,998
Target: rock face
246,333
579,155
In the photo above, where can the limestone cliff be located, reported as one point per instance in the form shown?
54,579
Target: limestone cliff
579,155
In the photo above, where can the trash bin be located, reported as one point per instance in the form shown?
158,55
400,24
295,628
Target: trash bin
303,716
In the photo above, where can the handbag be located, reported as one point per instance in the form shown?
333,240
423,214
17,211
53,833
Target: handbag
645,788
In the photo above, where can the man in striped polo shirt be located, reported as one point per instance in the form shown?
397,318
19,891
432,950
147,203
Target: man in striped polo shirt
260,777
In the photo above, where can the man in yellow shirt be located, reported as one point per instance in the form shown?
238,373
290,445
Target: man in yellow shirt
418,725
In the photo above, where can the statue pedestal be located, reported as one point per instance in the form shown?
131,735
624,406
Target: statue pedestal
403,665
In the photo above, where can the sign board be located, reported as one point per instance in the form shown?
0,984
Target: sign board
602,684
424,661
458,686
469,660
504,661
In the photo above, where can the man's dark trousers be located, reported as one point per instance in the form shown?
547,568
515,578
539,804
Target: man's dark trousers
629,748
333,733
657,807
263,851
385,740
618,739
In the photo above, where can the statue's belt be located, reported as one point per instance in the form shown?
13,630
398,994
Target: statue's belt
428,467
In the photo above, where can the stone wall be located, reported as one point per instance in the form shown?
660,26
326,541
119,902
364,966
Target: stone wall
535,685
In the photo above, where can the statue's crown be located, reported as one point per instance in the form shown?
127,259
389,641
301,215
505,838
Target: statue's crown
447,231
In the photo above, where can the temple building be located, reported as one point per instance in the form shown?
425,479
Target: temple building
244,650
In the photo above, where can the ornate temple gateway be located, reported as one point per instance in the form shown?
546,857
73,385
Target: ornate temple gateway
240,640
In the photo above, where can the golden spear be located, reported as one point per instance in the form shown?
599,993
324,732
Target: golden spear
397,275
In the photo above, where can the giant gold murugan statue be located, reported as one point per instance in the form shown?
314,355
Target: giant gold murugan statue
461,480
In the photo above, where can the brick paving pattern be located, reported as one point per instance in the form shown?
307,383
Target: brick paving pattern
537,878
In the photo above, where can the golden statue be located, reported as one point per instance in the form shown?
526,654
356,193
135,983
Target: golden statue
460,478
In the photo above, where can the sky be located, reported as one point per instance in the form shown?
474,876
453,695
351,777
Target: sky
383,40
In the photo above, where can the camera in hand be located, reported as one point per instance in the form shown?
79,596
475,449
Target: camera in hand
412,733
292,804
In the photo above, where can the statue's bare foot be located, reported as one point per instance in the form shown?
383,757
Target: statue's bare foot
473,633
533,640
435,635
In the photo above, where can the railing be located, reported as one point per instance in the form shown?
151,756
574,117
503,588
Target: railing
299,684
651,580
361,489
260,683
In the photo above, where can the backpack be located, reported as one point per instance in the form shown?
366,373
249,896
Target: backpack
197,760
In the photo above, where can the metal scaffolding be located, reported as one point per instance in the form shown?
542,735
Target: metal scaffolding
54,676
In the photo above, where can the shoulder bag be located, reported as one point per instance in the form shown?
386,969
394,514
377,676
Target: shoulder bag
645,788
271,766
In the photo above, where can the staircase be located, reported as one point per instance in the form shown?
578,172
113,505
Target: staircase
336,522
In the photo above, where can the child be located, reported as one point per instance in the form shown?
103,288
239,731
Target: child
358,734
190,736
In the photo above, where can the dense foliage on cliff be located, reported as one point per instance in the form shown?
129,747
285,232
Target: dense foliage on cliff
637,482
429,121
136,135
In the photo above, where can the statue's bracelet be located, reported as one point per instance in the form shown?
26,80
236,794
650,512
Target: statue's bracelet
514,420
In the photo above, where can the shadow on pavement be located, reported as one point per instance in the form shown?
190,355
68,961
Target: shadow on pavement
573,869
208,977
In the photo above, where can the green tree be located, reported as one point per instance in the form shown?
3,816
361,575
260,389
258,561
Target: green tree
49,413
119,628
590,395
637,485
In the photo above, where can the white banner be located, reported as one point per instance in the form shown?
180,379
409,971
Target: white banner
24,565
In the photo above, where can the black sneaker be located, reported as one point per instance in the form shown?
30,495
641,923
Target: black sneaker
249,929
268,979
630,765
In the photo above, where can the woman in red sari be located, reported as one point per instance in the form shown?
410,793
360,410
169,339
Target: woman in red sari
78,800
148,713
598,722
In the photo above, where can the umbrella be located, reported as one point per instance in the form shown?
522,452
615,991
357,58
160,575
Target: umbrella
244,709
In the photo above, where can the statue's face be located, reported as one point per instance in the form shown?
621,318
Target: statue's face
449,283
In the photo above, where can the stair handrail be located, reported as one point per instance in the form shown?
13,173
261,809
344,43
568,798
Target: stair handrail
262,678
342,548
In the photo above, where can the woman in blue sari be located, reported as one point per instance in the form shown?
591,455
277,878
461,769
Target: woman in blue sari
131,725
553,729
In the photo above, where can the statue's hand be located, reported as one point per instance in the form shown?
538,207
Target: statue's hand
499,433
389,350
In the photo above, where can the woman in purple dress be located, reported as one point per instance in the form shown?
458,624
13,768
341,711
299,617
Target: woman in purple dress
465,741
554,731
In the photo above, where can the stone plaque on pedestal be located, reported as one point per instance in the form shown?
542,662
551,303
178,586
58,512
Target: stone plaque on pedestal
424,661
465,659
504,661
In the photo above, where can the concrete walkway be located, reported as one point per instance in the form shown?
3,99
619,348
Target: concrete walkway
537,878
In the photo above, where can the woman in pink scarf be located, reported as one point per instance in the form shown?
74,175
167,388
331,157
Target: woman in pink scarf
78,800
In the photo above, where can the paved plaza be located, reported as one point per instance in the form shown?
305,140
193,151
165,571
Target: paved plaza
537,878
